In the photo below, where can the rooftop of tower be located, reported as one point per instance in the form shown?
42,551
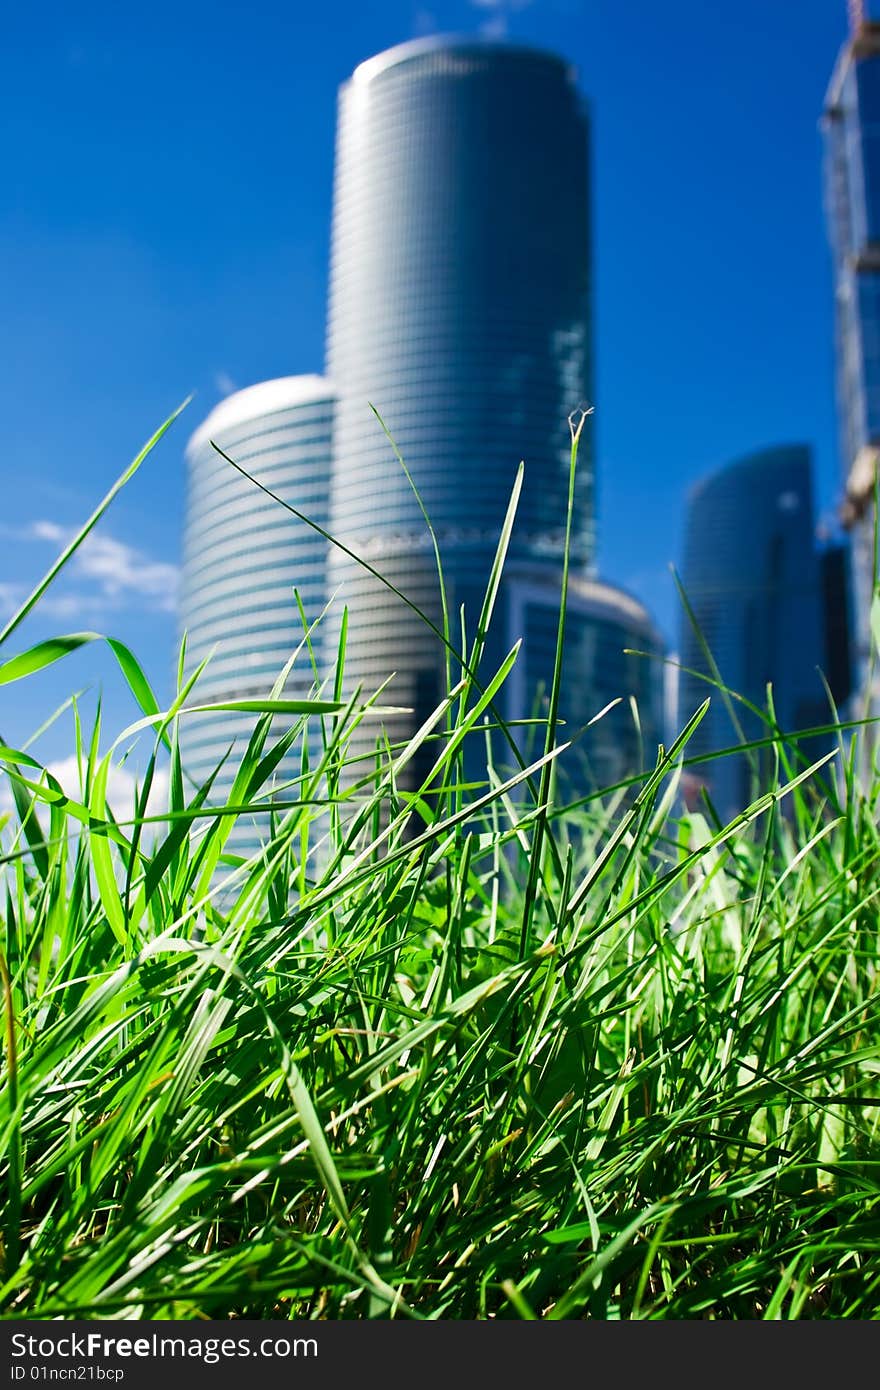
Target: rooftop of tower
586,593
759,462
263,398
453,43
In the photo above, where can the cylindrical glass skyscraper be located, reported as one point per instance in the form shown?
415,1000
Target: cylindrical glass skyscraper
613,655
751,575
244,555
460,309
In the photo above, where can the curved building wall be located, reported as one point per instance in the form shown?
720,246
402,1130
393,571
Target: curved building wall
244,554
460,309
751,574
604,629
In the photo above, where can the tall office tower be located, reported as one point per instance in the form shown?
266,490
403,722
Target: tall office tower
243,557
752,576
460,309
851,128
612,661
837,620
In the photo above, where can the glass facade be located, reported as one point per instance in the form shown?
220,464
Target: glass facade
460,309
837,621
612,653
751,573
244,555
851,129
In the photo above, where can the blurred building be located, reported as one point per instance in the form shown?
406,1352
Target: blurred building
837,620
244,555
612,667
460,307
851,127
753,578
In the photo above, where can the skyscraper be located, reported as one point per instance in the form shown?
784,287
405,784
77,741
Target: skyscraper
752,577
851,128
460,308
244,555
612,657
837,620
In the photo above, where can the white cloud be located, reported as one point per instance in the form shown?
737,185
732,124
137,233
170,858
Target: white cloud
45,531
510,5
53,604
121,788
10,597
224,383
498,13
120,573
71,605
120,569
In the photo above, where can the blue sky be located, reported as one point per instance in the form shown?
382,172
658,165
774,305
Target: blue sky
164,228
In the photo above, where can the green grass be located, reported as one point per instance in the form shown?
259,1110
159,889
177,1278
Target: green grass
438,1051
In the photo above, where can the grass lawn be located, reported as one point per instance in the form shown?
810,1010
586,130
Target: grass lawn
440,1052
